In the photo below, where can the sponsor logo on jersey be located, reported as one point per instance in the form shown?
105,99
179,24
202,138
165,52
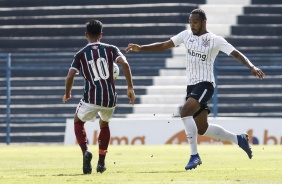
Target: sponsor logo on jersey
200,55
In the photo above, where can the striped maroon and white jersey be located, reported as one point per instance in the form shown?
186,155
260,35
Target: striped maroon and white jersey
201,52
95,62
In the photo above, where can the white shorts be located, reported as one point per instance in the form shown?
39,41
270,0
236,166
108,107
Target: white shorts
88,112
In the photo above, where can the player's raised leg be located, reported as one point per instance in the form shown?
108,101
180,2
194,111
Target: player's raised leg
219,133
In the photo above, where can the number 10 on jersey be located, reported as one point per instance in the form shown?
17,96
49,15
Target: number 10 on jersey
102,70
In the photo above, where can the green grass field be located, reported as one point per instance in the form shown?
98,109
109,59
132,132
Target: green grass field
140,164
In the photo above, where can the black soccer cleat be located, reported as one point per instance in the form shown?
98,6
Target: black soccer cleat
100,168
87,168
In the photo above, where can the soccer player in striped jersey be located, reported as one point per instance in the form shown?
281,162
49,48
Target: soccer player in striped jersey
202,47
95,63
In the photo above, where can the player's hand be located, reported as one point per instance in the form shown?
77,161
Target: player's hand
131,96
132,48
66,98
257,72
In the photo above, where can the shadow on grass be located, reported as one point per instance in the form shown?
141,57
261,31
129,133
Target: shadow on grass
156,172
69,174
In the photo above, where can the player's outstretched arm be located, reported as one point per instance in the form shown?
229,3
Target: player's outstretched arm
246,62
68,85
154,47
128,76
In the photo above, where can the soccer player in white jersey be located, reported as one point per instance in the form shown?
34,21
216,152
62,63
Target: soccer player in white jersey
95,63
202,47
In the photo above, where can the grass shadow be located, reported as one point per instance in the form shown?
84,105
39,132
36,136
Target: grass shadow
69,174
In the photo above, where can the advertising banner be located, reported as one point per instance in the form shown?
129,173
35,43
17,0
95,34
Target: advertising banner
159,131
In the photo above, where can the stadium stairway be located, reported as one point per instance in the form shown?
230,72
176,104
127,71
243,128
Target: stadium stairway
259,28
33,29
60,26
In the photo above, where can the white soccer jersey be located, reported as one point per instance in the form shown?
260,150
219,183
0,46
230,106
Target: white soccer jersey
201,52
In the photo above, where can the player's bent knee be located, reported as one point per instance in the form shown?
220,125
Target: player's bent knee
184,113
103,124
201,132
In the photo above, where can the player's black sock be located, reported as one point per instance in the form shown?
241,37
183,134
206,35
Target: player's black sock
83,147
101,160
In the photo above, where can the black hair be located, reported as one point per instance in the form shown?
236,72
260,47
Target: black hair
200,12
94,27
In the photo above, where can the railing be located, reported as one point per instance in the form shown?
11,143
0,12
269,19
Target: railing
8,94
266,67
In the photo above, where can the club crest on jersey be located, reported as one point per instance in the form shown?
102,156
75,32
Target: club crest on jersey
206,42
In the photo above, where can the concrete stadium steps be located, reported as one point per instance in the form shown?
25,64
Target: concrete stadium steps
47,27
269,2
247,89
79,30
264,9
38,3
62,20
244,19
33,132
260,19
55,127
248,80
34,138
252,108
261,26
263,99
258,30
56,100
217,23
53,111
256,44
96,11
150,109
73,44
162,99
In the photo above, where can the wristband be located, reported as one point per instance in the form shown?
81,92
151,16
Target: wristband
67,95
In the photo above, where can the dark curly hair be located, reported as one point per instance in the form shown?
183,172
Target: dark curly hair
201,13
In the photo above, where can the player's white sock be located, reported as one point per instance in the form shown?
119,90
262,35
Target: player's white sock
191,133
219,133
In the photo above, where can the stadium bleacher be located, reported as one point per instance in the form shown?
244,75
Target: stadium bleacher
40,27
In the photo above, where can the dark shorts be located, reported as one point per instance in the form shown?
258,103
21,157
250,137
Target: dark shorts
202,92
